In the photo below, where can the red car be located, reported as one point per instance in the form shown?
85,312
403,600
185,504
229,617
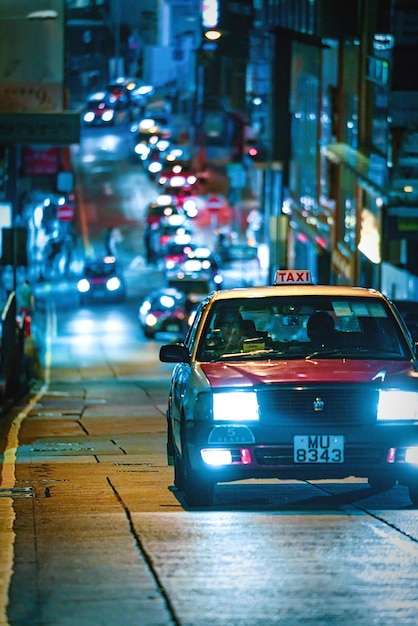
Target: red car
293,381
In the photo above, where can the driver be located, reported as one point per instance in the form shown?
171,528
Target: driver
230,324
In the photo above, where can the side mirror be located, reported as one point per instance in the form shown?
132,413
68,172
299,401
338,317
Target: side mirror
174,353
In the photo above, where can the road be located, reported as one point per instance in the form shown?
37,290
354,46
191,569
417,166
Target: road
92,530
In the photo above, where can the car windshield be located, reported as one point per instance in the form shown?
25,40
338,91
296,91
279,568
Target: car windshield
302,327
98,270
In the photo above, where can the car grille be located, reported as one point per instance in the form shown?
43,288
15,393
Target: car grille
322,405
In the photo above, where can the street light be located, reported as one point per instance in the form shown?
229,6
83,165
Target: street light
212,35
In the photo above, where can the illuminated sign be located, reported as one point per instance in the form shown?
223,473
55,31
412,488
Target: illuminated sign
31,56
210,13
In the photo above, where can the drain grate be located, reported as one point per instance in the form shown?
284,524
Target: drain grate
25,492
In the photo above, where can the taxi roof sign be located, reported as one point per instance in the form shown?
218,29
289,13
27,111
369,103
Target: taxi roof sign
293,277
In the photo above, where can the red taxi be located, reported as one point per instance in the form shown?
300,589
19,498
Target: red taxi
293,381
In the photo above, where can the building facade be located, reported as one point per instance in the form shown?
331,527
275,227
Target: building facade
343,116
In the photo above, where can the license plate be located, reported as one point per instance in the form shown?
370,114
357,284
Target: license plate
318,449
172,328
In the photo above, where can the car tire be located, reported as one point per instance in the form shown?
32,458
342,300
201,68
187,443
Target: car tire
413,494
178,472
170,443
198,490
379,483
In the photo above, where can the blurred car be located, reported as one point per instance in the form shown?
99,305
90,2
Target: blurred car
150,151
193,285
174,254
409,312
159,209
295,382
177,176
174,229
179,154
202,259
119,92
185,198
102,281
164,310
241,265
139,96
155,125
103,110
198,262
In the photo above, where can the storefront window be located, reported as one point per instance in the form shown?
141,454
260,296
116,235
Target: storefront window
350,97
348,206
304,129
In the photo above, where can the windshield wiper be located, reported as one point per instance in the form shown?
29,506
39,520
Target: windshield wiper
252,354
340,352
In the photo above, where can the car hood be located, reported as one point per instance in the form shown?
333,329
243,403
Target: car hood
245,374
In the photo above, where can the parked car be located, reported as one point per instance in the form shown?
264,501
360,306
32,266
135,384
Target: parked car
293,381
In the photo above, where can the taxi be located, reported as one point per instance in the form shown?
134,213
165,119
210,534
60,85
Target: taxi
293,381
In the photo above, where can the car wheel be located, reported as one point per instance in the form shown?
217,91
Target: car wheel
413,494
198,490
380,483
170,443
149,334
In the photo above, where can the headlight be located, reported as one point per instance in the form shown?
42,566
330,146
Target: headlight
83,285
155,167
145,307
89,117
167,301
397,405
108,116
235,406
411,455
113,284
142,150
151,320
212,456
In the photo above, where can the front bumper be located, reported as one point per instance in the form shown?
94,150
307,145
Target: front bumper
268,452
